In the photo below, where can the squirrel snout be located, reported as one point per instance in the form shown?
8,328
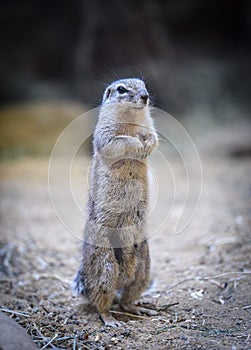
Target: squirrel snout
144,95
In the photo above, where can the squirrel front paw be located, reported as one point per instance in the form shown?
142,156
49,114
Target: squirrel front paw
149,142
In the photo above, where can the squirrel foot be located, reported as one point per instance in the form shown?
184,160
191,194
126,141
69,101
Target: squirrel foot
138,310
110,321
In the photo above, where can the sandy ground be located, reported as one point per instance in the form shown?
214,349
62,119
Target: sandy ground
201,276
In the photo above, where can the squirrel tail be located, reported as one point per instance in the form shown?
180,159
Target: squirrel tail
78,287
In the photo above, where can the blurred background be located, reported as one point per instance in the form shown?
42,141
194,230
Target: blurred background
57,57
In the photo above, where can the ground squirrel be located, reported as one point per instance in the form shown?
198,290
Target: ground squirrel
115,253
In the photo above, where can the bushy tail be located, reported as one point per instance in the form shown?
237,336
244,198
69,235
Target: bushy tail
78,287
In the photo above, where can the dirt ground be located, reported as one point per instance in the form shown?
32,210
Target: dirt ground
201,277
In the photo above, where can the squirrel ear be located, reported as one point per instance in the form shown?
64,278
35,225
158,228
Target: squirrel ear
106,94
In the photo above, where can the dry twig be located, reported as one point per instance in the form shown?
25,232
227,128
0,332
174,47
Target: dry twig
128,314
51,340
13,312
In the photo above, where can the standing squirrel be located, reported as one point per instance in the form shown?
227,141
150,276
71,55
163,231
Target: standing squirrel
115,253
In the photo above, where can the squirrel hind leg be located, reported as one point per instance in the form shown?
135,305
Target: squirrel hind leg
129,295
103,303
126,303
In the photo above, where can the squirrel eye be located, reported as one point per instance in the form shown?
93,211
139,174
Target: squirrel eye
121,90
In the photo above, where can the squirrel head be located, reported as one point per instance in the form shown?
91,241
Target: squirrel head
130,91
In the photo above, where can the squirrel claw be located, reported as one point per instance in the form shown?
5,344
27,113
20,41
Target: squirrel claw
110,321
137,310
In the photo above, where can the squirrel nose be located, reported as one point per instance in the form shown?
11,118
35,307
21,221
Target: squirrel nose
144,95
